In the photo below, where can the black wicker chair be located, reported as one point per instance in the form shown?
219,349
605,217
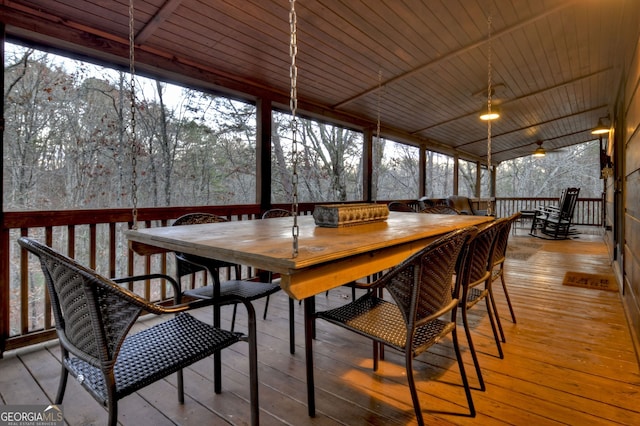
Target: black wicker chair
188,264
439,210
399,206
422,288
474,280
93,316
238,289
271,213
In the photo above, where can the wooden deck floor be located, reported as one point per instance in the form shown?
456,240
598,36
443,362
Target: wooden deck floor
568,360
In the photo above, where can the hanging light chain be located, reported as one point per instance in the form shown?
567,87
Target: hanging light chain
377,143
132,130
293,104
489,100
489,92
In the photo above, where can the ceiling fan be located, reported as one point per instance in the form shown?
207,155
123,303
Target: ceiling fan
540,151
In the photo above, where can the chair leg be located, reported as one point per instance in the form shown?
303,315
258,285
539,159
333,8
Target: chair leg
497,316
112,403
474,356
376,355
64,375
233,317
465,381
412,388
266,306
292,328
180,379
113,413
493,320
506,295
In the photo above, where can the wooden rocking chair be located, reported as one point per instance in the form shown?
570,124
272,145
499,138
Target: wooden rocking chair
554,222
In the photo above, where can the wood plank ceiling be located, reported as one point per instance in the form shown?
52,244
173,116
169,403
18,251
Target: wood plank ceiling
556,64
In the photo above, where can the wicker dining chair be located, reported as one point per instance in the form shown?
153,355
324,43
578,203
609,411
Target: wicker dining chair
188,264
498,260
439,210
474,280
94,315
244,290
399,206
423,310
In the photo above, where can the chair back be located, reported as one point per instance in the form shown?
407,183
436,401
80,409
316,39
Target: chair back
461,204
568,205
476,263
187,263
92,313
422,285
439,210
399,206
276,213
502,239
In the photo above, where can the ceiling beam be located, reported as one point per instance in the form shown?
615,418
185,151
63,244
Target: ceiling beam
158,19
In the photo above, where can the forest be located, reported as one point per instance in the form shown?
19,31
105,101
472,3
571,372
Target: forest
74,139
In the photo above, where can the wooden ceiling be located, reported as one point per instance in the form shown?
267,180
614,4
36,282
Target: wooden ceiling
422,64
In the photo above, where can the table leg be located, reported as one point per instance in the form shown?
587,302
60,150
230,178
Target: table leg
309,312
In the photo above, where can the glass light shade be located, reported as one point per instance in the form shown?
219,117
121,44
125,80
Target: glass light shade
486,116
600,129
539,152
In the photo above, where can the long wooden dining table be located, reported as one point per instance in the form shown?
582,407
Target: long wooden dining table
327,257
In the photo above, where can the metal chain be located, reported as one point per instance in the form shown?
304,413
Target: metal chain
377,144
132,130
489,95
293,104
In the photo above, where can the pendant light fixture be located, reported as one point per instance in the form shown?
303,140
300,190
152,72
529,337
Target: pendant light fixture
489,111
539,151
487,115
601,128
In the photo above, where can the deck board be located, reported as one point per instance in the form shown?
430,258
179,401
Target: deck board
569,359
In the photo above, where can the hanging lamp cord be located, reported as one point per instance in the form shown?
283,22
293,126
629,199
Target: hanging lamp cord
132,131
293,104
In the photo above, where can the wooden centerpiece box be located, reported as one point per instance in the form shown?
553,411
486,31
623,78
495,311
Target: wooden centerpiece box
339,215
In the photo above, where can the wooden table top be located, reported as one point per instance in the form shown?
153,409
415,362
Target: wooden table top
267,244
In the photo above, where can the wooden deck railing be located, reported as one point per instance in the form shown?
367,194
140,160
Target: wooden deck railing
588,211
96,238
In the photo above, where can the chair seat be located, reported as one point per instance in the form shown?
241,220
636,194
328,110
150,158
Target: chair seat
154,353
249,290
383,321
